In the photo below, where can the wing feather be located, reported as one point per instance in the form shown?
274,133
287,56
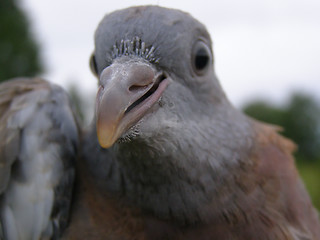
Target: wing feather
39,137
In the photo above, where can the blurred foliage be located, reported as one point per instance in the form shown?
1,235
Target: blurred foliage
310,173
19,53
300,119
302,124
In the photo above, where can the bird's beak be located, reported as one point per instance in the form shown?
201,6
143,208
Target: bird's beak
127,91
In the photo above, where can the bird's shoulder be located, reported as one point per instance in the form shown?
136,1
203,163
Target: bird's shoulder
285,204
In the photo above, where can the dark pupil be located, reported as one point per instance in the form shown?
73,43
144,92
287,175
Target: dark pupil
202,59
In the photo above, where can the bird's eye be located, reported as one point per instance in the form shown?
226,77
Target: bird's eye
201,57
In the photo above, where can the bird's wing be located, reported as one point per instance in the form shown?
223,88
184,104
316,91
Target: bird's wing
38,143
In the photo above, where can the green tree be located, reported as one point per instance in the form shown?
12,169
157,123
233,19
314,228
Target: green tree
300,119
265,112
19,53
302,124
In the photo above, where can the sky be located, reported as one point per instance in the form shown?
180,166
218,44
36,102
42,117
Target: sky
262,49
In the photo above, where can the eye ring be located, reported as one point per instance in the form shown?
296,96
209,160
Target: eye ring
201,57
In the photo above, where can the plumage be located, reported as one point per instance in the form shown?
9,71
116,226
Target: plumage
38,144
167,156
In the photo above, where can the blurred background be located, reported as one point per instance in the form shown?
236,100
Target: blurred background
266,57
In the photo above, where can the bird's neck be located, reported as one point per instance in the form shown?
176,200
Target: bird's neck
177,179
189,188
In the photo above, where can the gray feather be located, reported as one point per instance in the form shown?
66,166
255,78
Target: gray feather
37,156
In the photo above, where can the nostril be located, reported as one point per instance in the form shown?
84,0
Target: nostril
136,88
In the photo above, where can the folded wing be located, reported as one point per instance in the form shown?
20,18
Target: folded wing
38,145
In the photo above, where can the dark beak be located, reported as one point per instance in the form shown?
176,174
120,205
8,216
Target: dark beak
128,89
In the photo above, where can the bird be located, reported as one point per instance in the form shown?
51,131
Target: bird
167,155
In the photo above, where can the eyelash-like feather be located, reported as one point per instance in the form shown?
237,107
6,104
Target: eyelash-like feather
134,47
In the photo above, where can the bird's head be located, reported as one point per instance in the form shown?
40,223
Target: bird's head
155,68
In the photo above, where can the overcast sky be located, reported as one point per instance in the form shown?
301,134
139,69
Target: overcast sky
264,49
